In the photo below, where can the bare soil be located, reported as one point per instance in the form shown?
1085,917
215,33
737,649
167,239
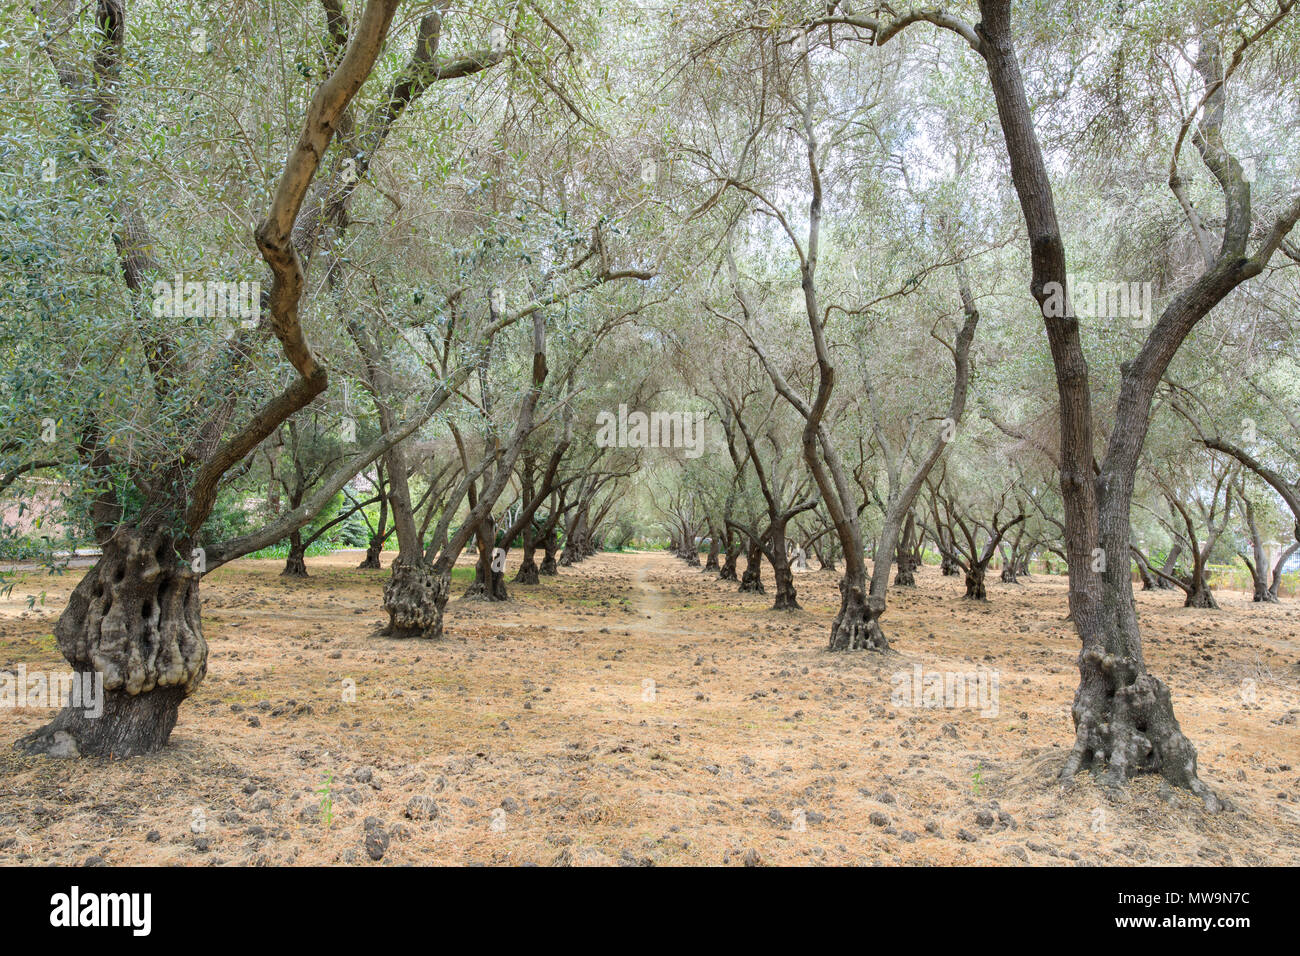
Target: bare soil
533,734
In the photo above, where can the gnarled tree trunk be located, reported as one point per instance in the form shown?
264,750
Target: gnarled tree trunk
295,565
752,579
415,597
134,619
731,558
527,573
712,563
550,544
371,561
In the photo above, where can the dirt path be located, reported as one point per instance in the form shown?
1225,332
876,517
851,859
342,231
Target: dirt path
633,710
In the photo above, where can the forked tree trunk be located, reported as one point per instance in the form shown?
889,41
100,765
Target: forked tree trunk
134,619
295,565
856,627
975,590
948,567
1123,716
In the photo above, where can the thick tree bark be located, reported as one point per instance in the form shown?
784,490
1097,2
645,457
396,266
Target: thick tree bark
527,573
786,598
489,585
826,557
731,558
133,618
373,549
415,597
295,565
1199,594
905,576
714,547
1124,720
855,627
751,581
550,544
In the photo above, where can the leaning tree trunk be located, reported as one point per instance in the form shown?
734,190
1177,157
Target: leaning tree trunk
134,619
295,565
752,579
1148,579
1276,582
1171,562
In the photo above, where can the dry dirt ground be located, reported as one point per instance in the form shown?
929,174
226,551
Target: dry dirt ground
531,733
